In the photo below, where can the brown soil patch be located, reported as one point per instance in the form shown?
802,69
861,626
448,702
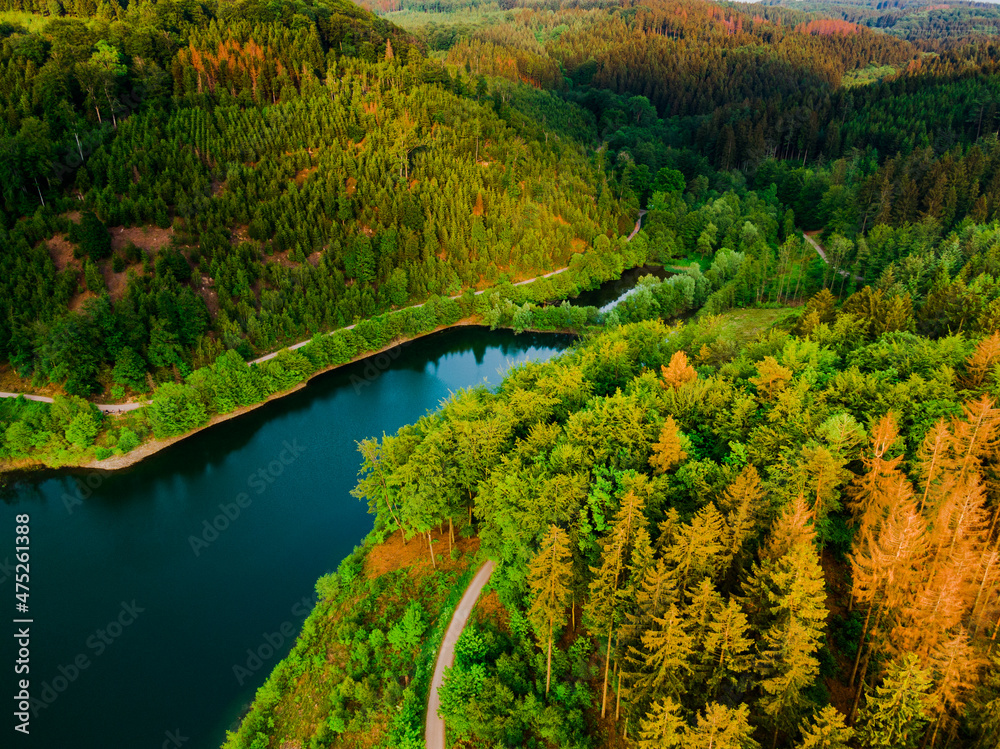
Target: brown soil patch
282,258
560,220
211,297
835,576
303,175
394,553
352,185
73,216
61,252
116,282
841,696
489,609
11,383
150,238
77,302
577,245
240,233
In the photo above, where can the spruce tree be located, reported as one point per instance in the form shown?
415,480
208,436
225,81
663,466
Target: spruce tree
895,714
549,575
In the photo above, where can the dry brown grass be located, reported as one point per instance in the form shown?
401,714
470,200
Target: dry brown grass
150,238
396,553
61,252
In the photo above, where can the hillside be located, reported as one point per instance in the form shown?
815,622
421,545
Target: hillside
756,504
711,530
248,183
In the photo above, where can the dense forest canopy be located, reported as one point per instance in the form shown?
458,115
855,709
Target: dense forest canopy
184,179
773,524
701,542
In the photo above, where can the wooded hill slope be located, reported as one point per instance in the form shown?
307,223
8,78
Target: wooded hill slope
181,179
789,541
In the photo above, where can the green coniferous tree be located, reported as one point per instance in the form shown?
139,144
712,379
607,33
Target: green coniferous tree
549,575
663,727
826,730
895,715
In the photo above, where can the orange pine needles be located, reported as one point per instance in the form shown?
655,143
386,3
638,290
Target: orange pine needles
678,372
982,361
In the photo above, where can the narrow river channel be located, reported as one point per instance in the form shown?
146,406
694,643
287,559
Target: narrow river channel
162,596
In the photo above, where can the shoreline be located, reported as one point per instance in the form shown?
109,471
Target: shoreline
154,446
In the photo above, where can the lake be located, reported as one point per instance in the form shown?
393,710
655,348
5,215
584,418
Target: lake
163,595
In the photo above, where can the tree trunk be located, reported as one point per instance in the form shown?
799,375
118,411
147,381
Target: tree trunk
607,667
993,639
798,278
618,692
430,545
451,534
548,661
398,523
937,725
857,694
975,605
861,644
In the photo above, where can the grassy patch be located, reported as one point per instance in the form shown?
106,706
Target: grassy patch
742,325
33,22
679,265
865,76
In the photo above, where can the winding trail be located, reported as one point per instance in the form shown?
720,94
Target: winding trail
117,408
108,408
638,224
434,726
826,260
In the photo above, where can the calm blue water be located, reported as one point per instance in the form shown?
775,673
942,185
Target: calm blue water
142,609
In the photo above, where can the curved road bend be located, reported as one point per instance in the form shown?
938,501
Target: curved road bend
434,730
638,224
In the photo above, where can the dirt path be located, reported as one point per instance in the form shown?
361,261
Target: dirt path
434,731
108,408
638,225
826,260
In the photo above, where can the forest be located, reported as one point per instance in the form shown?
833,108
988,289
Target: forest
755,505
162,158
702,542
156,212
